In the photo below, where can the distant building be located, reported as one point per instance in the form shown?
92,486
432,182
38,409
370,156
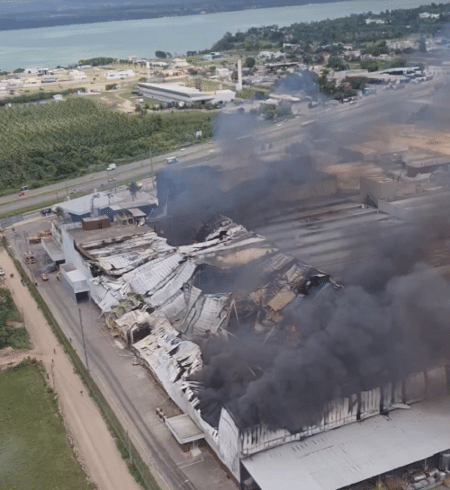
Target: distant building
428,15
375,21
223,74
78,75
173,92
84,207
132,58
214,55
222,96
180,63
32,81
48,79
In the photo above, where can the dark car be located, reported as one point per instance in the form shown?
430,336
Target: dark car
46,211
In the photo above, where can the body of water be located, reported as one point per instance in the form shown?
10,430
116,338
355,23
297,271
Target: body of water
52,46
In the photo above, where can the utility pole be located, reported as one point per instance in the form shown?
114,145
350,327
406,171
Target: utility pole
84,341
25,237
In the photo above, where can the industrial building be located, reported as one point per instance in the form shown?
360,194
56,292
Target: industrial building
159,299
173,92
171,283
180,94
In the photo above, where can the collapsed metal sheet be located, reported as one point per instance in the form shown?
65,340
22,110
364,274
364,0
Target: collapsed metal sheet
106,293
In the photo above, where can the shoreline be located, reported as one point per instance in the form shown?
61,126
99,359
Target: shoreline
47,21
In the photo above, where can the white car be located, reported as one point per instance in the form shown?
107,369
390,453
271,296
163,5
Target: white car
2,272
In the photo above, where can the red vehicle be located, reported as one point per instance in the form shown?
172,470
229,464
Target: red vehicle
21,194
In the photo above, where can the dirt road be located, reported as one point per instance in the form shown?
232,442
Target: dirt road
93,442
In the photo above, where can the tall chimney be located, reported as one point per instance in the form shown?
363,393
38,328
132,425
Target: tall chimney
239,83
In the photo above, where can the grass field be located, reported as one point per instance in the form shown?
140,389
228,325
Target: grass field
35,452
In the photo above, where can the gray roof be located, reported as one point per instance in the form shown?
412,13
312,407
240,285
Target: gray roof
183,429
83,205
357,451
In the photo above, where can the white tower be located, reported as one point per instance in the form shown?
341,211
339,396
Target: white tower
239,83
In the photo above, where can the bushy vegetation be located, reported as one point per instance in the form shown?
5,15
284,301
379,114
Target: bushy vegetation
249,93
37,96
352,29
36,452
58,140
98,61
10,335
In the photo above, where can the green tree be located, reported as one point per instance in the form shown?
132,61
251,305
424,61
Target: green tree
250,62
336,63
422,45
160,54
59,212
369,65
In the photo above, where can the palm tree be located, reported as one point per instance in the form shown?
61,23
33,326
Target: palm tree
59,212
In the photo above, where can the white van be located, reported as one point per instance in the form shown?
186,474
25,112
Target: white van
171,160
111,166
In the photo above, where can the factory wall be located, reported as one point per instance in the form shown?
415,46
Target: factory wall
377,189
72,256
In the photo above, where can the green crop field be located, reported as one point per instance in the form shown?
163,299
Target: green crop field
35,452
58,140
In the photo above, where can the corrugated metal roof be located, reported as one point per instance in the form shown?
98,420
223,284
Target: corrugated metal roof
83,205
205,313
355,452
107,293
153,275
180,277
166,353
174,308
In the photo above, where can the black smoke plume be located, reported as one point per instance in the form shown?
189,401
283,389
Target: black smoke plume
391,319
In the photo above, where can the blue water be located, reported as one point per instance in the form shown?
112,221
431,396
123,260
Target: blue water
51,46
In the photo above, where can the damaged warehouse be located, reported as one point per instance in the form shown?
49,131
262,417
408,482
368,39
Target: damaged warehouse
266,354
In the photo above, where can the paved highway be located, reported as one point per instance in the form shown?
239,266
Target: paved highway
349,117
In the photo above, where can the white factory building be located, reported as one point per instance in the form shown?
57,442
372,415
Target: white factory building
117,75
179,93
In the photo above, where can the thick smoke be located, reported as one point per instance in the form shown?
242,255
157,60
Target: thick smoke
241,181
302,82
390,319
